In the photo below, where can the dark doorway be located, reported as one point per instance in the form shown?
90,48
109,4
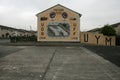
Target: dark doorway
7,35
3,36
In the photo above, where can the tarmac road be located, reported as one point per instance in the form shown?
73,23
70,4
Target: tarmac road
111,53
7,50
4,40
54,63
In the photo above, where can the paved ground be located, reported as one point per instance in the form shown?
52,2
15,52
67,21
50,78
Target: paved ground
4,41
110,53
7,50
54,63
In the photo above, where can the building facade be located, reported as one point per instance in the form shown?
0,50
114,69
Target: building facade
116,26
6,32
58,23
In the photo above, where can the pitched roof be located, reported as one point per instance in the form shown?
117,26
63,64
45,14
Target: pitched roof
98,29
115,25
6,27
95,30
10,28
61,6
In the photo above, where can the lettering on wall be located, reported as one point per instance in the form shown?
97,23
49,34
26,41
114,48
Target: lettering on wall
74,29
108,40
74,24
74,38
42,31
97,37
42,24
85,37
58,11
73,18
74,33
42,38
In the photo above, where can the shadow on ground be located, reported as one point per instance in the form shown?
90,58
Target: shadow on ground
7,50
111,53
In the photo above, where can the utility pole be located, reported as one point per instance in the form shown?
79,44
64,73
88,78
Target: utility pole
31,31
30,28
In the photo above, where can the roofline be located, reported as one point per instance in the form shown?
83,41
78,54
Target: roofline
114,25
62,6
21,30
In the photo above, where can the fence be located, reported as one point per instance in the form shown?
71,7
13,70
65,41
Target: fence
23,39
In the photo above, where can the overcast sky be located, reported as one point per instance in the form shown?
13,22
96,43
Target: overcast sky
95,13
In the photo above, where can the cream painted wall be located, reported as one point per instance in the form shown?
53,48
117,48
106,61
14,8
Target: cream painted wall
58,18
97,39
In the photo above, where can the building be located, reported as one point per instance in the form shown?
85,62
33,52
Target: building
6,32
58,23
96,30
116,26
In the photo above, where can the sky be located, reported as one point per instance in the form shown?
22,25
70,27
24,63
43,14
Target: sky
21,14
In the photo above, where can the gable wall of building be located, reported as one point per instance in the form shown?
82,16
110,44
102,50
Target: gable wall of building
72,33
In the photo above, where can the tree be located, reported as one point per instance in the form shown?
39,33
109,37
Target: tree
108,30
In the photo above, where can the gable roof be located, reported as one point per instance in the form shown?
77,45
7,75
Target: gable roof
61,6
99,29
10,28
115,25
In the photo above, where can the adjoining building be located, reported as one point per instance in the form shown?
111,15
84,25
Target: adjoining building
116,26
58,23
6,32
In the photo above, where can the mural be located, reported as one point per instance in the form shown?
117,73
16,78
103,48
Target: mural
58,24
58,29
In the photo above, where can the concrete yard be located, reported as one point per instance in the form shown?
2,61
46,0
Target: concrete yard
54,63
110,53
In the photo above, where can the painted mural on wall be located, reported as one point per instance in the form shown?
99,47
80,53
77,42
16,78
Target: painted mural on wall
58,24
58,29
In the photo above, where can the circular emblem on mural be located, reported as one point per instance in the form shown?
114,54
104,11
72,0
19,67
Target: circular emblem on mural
52,14
64,15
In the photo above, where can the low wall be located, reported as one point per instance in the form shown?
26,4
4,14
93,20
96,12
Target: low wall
97,39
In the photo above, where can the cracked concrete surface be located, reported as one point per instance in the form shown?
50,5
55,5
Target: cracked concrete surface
69,63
